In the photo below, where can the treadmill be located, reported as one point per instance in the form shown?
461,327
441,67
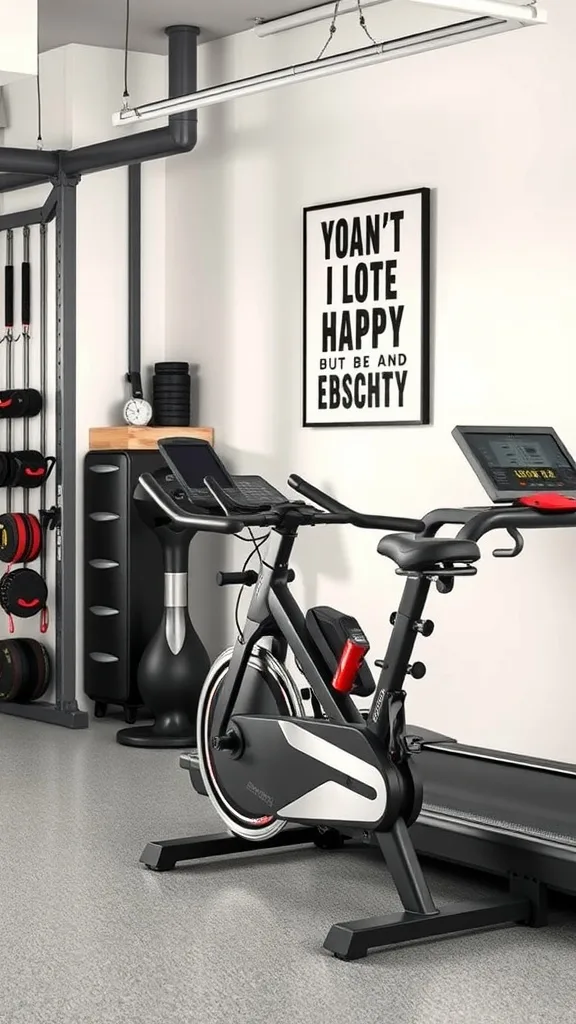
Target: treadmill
486,809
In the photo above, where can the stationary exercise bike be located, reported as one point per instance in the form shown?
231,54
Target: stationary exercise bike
331,774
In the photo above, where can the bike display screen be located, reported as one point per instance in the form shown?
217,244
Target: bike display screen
192,461
518,461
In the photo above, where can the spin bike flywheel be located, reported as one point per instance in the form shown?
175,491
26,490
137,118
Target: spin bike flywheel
267,689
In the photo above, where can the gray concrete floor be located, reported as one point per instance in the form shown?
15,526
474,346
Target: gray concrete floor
90,937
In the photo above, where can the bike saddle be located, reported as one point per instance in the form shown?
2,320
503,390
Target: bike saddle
423,553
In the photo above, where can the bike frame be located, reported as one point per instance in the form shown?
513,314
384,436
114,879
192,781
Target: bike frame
274,612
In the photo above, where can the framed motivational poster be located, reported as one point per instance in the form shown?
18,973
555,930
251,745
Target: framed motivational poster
367,311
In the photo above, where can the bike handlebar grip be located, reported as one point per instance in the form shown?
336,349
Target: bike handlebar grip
9,296
368,522
25,295
317,496
230,579
208,524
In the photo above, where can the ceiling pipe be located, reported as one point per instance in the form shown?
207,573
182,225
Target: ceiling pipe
28,161
14,182
179,136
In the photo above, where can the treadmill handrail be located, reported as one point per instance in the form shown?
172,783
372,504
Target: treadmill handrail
446,516
513,516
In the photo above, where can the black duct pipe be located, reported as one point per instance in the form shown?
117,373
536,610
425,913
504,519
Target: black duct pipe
28,161
179,136
134,268
13,182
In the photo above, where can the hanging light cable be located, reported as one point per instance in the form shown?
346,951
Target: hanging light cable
332,30
126,93
39,138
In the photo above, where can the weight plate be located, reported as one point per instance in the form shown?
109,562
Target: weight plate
172,408
43,668
29,672
171,399
10,671
163,368
171,378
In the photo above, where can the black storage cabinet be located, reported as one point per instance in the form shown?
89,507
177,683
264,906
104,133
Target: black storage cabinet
123,579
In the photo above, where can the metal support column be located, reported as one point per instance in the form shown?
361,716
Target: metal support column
66,599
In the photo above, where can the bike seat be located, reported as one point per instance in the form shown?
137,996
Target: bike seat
419,554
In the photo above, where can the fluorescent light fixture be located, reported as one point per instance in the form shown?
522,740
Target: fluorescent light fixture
325,12
526,13
421,42
311,17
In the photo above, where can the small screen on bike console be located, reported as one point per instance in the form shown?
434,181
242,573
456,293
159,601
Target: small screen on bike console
514,461
192,461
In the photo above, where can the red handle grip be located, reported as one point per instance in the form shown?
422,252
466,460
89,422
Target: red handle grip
350,661
6,403
34,472
28,604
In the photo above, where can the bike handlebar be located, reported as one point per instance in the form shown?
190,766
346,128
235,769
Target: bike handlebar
214,524
335,513
365,522
513,518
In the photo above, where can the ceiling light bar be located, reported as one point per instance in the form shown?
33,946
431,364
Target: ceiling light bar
311,17
486,8
421,42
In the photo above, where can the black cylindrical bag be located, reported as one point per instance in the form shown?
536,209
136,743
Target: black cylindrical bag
29,468
16,403
23,593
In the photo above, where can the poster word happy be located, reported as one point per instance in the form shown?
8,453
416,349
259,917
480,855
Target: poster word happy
366,311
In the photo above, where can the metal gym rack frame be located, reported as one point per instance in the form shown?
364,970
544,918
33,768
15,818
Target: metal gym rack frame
24,169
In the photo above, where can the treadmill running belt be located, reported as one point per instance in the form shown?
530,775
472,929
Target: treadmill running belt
528,800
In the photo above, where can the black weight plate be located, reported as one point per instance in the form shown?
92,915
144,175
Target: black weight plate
166,399
163,368
29,672
42,668
172,414
171,378
172,406
171,389
171,403
177,400
10,671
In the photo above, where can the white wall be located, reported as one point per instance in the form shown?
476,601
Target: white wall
488,126
81,87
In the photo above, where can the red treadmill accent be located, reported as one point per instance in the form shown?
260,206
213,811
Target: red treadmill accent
549,502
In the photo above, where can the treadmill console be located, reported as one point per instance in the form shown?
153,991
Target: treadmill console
513,462
190,461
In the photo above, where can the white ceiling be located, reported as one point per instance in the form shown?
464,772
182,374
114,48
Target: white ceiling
101,22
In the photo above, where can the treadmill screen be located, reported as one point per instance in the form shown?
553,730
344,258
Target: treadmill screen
518,461
194,461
